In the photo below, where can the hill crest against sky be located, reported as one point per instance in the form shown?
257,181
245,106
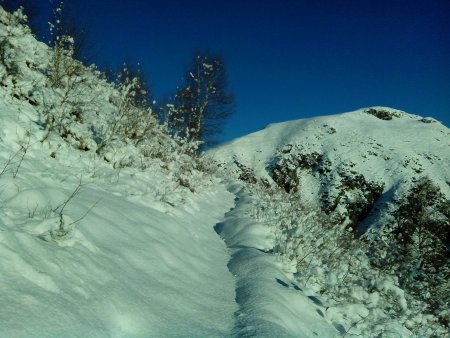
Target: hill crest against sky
287,60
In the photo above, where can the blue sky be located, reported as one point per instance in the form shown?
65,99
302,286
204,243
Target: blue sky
288,59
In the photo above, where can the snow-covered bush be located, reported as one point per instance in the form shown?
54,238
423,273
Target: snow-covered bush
290,165
7,57
9,49
63,68
344,190
321,251
414,247
77,104
70,97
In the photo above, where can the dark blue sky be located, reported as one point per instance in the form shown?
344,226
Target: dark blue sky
288,59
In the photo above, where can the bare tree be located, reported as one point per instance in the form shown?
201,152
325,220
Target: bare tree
65,21
142,90
201,106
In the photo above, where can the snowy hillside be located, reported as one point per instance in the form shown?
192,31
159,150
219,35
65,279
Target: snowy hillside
108,224
384,144
373,154
112,227
99,237
355,201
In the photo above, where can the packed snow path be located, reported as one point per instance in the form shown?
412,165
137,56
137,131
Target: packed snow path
270,305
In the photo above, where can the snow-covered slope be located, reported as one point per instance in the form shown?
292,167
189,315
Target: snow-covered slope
378,150
99,239
127,269
129,262
358,208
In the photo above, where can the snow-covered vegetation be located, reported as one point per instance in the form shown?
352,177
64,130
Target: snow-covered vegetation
113,225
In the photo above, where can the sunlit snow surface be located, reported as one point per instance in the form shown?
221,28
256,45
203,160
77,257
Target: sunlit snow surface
136,265
270,305
128,269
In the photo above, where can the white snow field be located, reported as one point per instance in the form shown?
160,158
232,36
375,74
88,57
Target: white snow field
134,266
